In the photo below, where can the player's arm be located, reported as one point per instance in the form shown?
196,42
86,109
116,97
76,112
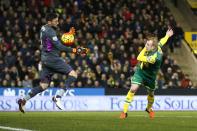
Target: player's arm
61,47
143,58
78,50
57,44
169,33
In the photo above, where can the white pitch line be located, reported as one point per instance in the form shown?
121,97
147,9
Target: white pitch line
14,129
164,116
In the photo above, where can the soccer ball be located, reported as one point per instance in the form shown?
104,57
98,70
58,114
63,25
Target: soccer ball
68,39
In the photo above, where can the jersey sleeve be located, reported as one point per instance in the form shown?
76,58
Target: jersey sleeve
143,58
163,40
57,44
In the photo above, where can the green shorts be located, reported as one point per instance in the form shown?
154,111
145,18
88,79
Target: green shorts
139,78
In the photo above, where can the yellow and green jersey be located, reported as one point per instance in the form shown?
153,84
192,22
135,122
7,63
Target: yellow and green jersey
149,65
148,69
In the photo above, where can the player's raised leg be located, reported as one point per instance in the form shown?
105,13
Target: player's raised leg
45,77
34,91
72,76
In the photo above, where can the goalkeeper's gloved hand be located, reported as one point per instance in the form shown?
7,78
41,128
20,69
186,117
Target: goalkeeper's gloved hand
80,50
72,30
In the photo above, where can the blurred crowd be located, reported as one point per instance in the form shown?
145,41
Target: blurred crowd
114,31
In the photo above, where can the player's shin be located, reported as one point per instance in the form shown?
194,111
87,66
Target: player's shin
128,100
150,99
33,92
68,82
22,102
149,109
60,93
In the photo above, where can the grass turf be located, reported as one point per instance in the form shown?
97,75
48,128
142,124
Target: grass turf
99,121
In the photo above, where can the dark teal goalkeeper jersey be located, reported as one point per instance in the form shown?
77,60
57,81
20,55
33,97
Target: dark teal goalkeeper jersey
50,44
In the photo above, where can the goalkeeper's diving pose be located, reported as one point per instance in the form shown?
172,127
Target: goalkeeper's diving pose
52,62
150,59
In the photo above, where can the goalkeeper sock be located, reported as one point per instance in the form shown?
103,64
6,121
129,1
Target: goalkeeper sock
68,82
60,93
128,100
34,91
150,101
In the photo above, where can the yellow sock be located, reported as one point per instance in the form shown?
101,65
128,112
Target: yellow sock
150,101
128,100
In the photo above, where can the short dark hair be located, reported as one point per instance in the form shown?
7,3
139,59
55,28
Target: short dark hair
51,16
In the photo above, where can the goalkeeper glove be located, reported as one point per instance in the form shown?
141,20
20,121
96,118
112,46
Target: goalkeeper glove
80,50
72,31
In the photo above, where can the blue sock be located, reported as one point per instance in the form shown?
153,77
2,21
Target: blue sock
34,91
68,82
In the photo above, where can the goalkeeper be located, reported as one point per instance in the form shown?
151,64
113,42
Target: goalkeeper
52,62
150,59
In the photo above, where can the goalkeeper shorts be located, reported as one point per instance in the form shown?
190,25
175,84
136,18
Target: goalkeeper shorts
52,66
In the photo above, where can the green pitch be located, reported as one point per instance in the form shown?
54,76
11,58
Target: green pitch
99,121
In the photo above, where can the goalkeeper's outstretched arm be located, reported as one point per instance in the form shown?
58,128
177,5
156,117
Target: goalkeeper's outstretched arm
78,50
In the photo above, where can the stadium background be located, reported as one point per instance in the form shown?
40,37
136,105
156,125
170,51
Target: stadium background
114,31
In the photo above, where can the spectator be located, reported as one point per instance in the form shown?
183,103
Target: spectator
113,31
186,82
133,60
27,82
96,83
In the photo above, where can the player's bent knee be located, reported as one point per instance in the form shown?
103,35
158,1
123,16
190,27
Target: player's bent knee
44,85
134,88
151,93
73,73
